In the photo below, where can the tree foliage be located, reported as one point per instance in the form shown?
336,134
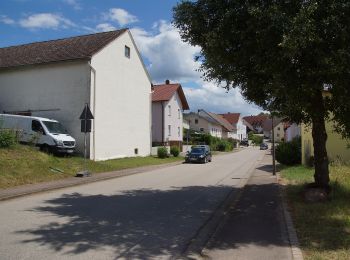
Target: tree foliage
281,54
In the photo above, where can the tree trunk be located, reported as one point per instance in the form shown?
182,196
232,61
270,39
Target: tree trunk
319,136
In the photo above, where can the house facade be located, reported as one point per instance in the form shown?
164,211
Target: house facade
168,104
204,124
337,147
279,127
239,127
291,131
54,79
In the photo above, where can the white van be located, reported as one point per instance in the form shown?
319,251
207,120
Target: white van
48,134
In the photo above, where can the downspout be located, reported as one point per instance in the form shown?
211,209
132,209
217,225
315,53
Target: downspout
94,111
162,121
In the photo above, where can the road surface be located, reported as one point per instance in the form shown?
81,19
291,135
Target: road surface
151,215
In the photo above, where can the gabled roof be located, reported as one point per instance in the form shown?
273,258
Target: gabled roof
267,124
222,121
164,92
256,121
232,118
74,48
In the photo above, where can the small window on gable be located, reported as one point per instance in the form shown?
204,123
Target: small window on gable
169,108
179,113
127,52
196,121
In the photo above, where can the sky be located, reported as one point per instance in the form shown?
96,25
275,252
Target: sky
166,56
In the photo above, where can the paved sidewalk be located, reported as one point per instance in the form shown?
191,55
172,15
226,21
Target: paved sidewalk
254,227
28,189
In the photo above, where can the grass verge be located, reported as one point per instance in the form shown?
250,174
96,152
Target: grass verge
26,165
323,228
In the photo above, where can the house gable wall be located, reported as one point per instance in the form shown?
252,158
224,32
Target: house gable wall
123,102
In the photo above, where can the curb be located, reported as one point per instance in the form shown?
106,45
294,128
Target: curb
29,189
292,234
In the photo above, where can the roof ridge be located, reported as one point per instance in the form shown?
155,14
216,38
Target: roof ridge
65,38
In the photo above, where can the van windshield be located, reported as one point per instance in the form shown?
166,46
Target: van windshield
54,127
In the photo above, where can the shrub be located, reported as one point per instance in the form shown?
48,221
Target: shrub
289,153
250,135
174,150
257,139
7,138
224,145
162,152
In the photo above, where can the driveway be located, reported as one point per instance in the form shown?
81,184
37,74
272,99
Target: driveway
152,215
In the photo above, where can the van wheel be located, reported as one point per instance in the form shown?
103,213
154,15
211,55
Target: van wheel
45,148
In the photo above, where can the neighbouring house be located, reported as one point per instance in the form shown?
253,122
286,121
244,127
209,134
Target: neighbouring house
291,131
54,79
237,122
202,123
337,147
256,122
168,104
227,128
210,123
278,129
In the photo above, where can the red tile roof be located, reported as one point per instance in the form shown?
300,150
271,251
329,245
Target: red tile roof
256,120
164,92
74,48
232,118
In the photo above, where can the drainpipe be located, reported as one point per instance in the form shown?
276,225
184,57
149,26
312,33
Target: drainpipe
94,111
162,122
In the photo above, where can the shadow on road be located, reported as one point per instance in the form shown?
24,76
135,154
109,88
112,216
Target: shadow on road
140,223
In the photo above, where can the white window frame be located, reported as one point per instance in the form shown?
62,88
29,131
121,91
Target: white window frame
169,108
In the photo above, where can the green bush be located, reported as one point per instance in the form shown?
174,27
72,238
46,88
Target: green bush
7,138
257,139
289,153
175,151
224,146
250,135
162,152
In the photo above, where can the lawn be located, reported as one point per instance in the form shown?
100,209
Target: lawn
24,165
323,228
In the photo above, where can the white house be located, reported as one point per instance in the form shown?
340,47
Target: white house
239,127
168,104
278,129
292,131
209,123
54,79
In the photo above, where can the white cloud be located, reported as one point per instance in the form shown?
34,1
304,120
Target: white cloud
6,20
121,16
169,57
46,21
105,27
218,100
74,3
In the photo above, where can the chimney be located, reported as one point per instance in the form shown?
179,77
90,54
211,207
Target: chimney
167,82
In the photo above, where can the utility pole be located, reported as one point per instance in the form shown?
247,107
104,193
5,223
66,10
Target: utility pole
273,148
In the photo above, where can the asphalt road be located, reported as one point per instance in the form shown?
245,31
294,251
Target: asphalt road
152,215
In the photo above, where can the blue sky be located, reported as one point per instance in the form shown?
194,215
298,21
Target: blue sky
166,56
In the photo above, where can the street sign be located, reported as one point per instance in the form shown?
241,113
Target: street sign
86,114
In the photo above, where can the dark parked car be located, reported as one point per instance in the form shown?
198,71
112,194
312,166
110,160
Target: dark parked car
244,143
264,146
199,153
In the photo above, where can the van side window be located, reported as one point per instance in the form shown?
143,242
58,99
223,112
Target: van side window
36,126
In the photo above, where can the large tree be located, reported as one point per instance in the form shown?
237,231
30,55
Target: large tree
281,54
